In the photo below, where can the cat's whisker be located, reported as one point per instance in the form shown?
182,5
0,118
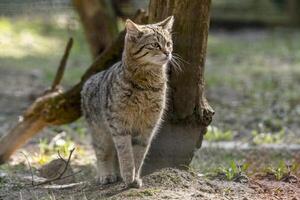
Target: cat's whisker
180,58
176,65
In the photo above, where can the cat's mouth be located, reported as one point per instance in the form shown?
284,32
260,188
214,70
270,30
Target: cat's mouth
167,58
162,58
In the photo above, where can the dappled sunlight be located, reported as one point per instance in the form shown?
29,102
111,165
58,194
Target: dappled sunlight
252,78
37,44
19,43
247,148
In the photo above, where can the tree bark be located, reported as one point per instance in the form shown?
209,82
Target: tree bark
293,7
99,21
188,113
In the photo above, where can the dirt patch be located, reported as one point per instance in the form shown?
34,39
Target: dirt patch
165,184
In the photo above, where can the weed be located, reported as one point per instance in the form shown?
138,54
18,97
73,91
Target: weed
43,146
234,172
283,171
215,134
267,138
3,181
47,151
41,158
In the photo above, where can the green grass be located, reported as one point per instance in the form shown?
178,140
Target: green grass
214,135
234,171
267,138
209,160
283,169
35,43
267,11
252,80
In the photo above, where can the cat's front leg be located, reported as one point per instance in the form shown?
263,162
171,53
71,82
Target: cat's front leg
123,146
107,164
141,144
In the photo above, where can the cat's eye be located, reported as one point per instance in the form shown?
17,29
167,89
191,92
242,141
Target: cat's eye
168,44
156,45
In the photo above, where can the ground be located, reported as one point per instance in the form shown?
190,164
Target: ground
251,150
165,184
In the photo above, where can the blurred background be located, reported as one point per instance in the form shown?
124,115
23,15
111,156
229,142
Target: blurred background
252,75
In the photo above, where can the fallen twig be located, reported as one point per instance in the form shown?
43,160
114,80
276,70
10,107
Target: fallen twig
59,176
65,185
58,153
30,168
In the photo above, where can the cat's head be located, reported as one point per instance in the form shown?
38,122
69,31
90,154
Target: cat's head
151,43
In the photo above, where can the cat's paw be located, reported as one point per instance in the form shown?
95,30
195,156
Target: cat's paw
137,183
108,179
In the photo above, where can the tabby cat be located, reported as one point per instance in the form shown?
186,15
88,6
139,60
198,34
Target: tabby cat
124,105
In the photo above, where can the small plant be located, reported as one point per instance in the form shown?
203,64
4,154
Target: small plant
267,138
235,172
49,149
283,171
41,158
215,134
3,180
44,146
63,146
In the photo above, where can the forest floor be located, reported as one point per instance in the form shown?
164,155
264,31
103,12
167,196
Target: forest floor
251,150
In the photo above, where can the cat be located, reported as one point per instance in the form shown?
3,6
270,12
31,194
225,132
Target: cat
124,105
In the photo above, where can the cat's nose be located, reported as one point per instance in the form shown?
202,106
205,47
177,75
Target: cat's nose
167,53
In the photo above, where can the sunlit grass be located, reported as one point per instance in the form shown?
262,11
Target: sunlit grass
252,80
37,43
267,138
19,42
214,135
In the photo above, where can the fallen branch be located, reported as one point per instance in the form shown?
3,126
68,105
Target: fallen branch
59,176
66,186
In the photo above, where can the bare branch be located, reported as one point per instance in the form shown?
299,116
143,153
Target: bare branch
62,66
59,176
58,153
32,179
66,186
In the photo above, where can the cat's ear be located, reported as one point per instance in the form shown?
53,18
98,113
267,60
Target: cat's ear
167,24
132,28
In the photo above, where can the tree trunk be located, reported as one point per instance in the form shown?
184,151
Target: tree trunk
189,113
99,21
293,7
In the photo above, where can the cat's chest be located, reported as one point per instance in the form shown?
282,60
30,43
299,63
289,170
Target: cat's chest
145,102
143,108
